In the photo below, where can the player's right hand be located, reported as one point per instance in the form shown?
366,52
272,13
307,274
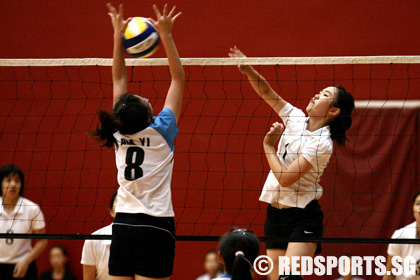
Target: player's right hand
274,134
235,52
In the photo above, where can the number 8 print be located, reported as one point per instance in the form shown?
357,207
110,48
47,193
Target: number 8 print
134,158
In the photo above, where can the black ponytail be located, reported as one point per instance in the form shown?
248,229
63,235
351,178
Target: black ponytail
105,132
241,267
130,115
345,102
239,249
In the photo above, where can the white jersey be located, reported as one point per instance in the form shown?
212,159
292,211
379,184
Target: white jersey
145,162
25,218
404,250
207,276
96,253
316,147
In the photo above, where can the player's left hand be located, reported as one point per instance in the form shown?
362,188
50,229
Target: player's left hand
164,21
274,134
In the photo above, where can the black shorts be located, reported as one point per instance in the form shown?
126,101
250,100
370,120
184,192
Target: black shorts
142,245
6,272
293,223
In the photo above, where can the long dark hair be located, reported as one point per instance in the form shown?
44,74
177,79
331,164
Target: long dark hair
129,115
239,249
61,248
63,251
111,204
415,196
12,170
345,102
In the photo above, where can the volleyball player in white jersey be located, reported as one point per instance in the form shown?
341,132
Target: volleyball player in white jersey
143,242
292,189
411,231
95,254
18,215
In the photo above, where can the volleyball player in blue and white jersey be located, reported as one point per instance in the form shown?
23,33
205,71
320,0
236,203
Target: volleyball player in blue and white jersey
292,189
143,233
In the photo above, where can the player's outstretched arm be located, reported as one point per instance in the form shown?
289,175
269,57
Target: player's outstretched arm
163,23
119,73
259,83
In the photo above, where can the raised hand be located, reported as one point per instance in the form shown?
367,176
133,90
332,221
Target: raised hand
164,21
235,52
117,19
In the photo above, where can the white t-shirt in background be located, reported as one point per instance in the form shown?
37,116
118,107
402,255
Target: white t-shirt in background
404,250
96,253
25,218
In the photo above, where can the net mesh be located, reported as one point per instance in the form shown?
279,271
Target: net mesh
47,107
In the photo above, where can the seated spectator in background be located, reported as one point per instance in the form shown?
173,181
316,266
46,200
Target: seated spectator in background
18,215
58,261
95,254
212,266
411,231
238,250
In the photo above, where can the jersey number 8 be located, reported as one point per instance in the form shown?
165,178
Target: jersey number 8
133,159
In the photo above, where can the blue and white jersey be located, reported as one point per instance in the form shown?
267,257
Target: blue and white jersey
145,161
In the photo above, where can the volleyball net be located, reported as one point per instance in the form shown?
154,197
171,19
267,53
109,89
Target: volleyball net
49,105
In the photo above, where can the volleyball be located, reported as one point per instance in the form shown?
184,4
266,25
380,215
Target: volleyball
140,39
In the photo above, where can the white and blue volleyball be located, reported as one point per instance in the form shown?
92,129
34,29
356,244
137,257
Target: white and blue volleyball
140,39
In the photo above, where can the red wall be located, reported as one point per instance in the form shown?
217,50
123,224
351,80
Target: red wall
54,29
208,28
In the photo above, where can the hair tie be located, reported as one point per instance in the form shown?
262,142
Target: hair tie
243,255
239,253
